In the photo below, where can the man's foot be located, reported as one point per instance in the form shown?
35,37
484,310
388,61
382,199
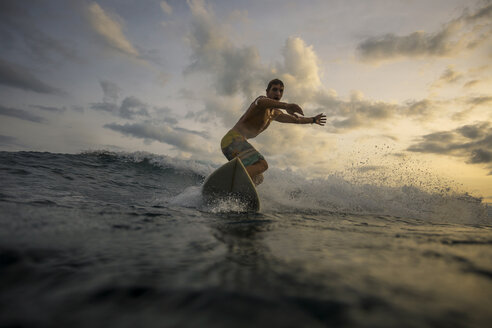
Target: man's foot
258,179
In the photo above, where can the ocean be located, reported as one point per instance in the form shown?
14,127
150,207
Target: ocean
104,239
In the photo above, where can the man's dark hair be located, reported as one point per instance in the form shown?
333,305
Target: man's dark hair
272,82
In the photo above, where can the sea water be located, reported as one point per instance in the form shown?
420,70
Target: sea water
102,239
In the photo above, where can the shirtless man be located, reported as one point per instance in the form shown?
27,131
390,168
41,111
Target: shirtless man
256,119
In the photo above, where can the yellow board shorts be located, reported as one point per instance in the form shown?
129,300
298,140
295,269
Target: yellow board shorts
233,144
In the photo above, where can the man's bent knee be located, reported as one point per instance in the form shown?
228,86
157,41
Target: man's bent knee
262,164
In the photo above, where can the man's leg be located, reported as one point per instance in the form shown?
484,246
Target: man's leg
255,171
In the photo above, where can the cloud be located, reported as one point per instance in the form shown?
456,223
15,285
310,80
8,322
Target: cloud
358,112
166,8
77,108
422,108
226,110
111,91
110,30
481,156
288,145
50,108
182,139
132,106
20,114
106,107
16,76
449,76
299,69
238,70
163,78
171,120
471,84
478,101
472,142
471,104
463,33
8,141
235,69
363,114
20,30
129,108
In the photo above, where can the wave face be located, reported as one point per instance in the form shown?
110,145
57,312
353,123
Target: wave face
102,175
139,177
124,239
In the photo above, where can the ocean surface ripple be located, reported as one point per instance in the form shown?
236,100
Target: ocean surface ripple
102,239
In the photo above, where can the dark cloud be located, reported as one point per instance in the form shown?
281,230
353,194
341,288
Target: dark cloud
171,120
471,83
111,91
105,107
152,56
355,113
480,156
476,101
474,131
483,13
19,77
422,108
20,114
218,109
236,69
203,134
450,40
449,76
21,29
182,139
129,108
358,112
164,114
50,108
471,142
77,108
413,45
470,104
8,141
188,94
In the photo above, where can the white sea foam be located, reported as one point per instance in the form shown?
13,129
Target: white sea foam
398,193
190,197
287,191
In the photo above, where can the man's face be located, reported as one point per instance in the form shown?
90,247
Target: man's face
275,92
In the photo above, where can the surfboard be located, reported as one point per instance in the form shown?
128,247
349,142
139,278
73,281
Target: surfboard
231,181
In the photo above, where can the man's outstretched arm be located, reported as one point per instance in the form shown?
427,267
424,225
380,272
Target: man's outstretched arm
265,102
319,119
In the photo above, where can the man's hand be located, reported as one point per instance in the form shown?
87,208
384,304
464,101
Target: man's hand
320,119
292,109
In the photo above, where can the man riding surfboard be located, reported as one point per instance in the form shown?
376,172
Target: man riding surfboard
255,120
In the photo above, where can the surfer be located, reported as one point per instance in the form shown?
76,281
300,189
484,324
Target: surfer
255,120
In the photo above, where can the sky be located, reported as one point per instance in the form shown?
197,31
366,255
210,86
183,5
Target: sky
406,85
